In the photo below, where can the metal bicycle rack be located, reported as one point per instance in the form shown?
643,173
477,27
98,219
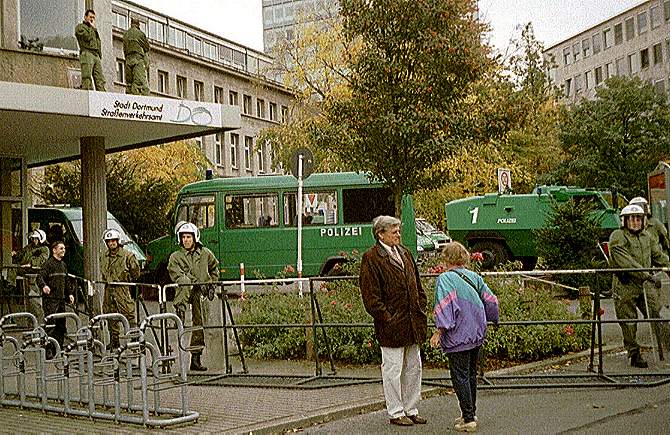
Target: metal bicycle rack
82,379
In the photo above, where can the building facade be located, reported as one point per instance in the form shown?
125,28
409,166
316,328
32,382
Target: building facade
185,63
280,17
635,42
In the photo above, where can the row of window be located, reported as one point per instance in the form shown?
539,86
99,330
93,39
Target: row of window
631,64
195,45
264,110
263,152
610,36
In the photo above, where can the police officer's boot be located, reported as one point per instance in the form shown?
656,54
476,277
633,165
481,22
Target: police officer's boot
195,363
636,360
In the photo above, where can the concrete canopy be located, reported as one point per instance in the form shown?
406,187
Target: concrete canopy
44,124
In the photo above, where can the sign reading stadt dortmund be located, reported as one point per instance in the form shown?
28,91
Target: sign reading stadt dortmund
153,109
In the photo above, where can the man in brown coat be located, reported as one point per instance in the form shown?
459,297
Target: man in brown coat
393,296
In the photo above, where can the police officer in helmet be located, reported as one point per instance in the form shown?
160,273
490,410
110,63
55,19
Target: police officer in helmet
192,264
652,225
631,247
118,265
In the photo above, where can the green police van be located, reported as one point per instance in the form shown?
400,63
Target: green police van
501,226
253,220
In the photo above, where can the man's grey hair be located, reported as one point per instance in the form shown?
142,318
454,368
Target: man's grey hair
383,223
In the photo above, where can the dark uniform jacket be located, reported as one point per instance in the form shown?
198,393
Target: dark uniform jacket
135,42
88,38
393,296
54,274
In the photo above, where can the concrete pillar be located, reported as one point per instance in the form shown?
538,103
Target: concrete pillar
94,203
5,215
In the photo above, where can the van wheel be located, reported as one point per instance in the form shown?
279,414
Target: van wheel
494,253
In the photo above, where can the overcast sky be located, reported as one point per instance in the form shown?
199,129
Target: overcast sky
553,20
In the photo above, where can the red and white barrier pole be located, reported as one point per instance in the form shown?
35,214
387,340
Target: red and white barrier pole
242,289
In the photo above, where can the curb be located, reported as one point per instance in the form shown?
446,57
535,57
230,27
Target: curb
368,405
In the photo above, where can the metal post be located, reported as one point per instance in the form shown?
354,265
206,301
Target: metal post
299,213
312,298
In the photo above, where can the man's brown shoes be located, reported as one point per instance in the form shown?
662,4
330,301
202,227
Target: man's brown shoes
401,421
417,419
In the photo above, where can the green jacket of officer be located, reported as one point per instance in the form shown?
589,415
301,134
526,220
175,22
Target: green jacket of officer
88,38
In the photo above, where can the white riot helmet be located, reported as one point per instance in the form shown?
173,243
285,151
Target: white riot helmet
642,202
40,235
631,210
176,229
188,228
111,234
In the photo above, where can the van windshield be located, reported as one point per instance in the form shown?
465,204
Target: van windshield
111,224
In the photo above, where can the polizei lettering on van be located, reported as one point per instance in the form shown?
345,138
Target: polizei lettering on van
506,220
340,232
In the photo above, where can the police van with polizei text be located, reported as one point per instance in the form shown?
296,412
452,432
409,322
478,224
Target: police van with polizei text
253,220
501,226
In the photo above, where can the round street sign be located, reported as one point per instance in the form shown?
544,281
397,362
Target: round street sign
307,162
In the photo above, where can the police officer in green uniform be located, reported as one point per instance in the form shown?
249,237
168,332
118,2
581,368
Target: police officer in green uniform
653,226
33,256
90,53
193,263
631,247
118,265
136,51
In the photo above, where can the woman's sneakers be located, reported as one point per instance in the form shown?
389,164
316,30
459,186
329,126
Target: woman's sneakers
461,426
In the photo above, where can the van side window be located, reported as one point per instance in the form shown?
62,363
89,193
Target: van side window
363,205
252,211
200,210
319,208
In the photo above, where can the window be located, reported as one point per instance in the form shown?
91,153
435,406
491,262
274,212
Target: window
363,205
252,211
200,143
586,47
218,94
163,82
234,145
597,39
197,46
318,208
181,87
618,34
609,70
567,59
199,210
198,91
644,58
576,52
621,69
176,37
260,155
217,149
53,30
607,38
598,75
630,28
659,85
247,104
225,54
578,85
248,144
121,71
633,63
567,87
284,113
232,98
641,23
273,111
260,108
209,50
656,18
588,79
658,53
156,31
119,19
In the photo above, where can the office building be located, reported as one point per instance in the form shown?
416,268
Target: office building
280,17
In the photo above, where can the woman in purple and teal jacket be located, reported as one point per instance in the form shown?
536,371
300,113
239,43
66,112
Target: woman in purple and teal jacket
463,306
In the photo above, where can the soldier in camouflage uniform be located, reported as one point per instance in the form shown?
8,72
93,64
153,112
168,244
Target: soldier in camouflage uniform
118,265
631,247
136,52
90,53
653,226
193,263
33,256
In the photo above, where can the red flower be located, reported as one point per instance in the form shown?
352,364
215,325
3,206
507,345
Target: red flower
333,302
477,256
569,330
289,268
369,344
437,269
601,311
348,306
